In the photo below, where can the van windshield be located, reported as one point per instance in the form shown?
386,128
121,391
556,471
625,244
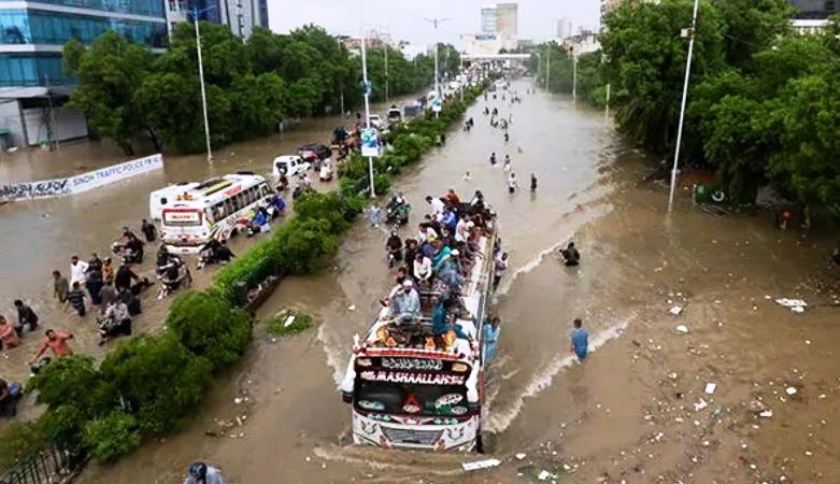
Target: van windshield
182,218
426,400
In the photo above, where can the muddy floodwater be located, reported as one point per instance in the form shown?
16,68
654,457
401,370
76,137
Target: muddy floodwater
636,410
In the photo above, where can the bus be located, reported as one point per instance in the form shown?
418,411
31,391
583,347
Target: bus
213,209
408,389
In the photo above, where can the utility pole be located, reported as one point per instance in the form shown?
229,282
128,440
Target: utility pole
436,21
548,69
367,106
574,74
682,107
386,72
201,78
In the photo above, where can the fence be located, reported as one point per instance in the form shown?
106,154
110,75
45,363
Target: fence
50,466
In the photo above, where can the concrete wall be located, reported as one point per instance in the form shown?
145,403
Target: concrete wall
69,124
10,118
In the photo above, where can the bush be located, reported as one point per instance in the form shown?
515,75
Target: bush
326,206
159,380
210,326
277,325
72,379
18,439
112,436
63,426
304,244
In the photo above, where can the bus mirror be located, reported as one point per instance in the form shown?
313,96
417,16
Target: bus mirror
347,397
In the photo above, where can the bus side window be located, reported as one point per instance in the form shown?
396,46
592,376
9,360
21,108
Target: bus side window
251,197
266,191
238,200
229,208
218,212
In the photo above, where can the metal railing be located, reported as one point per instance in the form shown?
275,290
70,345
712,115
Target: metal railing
49,466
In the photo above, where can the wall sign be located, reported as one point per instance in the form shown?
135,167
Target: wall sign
412,364
80,183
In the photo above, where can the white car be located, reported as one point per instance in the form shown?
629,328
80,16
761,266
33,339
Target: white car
376,122
289,165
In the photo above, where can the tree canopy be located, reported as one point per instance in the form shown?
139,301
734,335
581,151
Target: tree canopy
126,90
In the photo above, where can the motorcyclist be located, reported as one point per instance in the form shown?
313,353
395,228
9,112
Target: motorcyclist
493,158
162,256
135,247
283,183
394,246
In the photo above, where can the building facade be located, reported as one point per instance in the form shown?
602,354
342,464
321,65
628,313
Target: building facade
507,24
563,29
241,16
815,9
33,84
488,19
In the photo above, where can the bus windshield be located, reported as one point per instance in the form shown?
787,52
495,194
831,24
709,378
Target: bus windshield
426,400
182,218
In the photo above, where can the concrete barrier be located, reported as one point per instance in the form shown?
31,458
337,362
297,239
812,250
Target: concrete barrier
59,187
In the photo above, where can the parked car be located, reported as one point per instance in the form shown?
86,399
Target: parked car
289,165
376,122
314,152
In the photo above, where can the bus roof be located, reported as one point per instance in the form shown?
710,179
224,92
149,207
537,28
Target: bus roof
209,191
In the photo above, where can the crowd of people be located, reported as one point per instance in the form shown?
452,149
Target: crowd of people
436,265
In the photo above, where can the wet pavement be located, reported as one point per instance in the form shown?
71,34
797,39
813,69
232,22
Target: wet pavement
634,411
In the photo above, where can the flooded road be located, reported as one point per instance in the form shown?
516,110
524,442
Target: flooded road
635,411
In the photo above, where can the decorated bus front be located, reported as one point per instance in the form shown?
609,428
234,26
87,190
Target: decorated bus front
414,402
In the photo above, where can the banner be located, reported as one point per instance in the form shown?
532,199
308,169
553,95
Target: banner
80,183
371,144
437,105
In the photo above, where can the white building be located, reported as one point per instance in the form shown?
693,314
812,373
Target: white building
488,19
563,29
507,24
241,16
482,44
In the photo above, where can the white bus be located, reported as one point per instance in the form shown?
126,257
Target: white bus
216,208
406,390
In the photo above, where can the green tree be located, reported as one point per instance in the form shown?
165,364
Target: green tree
209,326
109,72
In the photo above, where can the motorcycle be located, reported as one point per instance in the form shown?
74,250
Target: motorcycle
394,257
125,253
168,284
397,211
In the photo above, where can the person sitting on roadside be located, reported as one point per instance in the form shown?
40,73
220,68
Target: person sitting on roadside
55,341
26,317
570,254
116,321
8,335
9,395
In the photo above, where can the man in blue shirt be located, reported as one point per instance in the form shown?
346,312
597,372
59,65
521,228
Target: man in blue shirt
580,340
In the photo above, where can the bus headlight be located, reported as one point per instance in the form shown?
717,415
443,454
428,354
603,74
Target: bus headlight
460,367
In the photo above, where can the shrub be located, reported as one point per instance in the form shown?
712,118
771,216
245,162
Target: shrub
277,326
304,244
210,326
18,439
64,425
112,436
158,379
326,206
72,379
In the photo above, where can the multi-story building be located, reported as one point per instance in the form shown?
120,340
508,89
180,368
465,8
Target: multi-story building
563,29
488,19
33,84
241,16
815,9
507,24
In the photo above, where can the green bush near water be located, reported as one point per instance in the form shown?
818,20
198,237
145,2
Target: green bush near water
149,384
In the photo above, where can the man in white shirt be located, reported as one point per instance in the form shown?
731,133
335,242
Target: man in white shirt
422,268
437,205
78,271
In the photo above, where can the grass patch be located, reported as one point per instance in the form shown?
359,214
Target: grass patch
288,322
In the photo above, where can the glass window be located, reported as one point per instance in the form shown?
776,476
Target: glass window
43,27
32,70
229,208
151,8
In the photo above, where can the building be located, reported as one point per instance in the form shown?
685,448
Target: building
563,29
488,19
507,24
584,42
241,16
482,44
33,85
815,9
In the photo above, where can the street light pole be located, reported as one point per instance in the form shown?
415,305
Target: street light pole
437,21
682,107
203,92
367,106
386,72
548,69
574,75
